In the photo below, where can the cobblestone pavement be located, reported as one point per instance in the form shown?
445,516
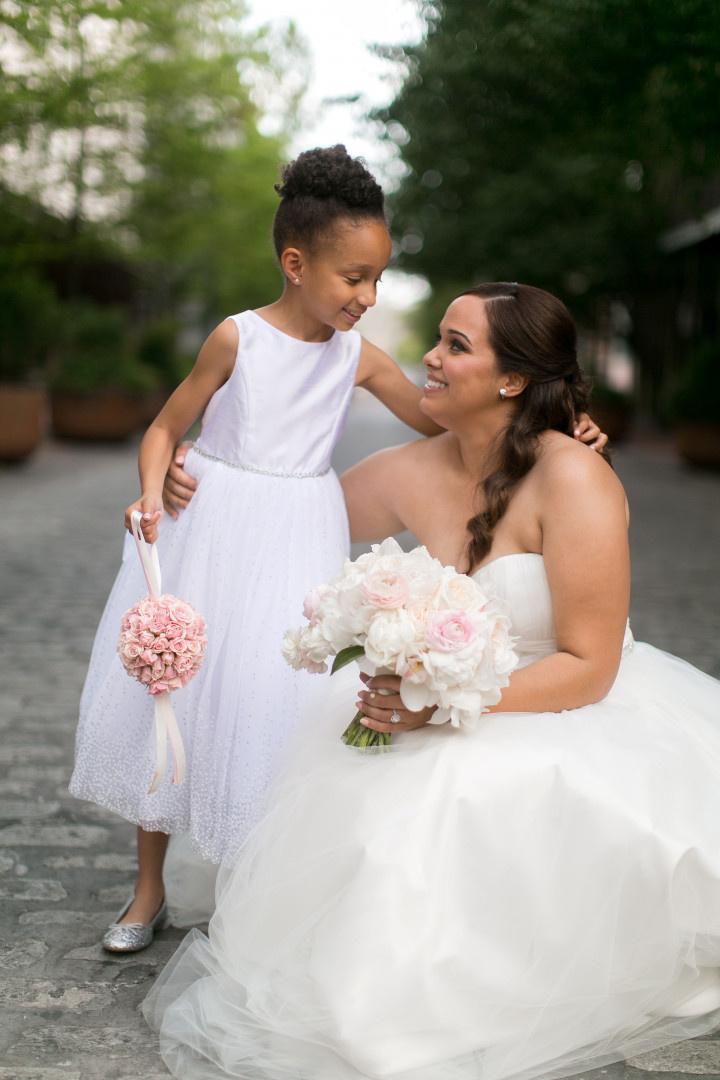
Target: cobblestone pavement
67,1010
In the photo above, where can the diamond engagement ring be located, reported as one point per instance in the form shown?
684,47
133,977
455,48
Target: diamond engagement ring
395,717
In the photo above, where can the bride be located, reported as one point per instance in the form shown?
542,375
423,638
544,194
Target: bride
531,898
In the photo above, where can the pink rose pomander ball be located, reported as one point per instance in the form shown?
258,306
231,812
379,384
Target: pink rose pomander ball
162,643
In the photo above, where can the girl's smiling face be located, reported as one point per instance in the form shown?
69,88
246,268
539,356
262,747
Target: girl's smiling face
339,278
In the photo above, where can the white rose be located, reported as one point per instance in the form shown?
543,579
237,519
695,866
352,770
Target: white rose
454,669
458,592
292,649
391,638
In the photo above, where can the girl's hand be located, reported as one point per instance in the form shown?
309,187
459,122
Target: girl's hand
378,708
587,431
150,506
179,486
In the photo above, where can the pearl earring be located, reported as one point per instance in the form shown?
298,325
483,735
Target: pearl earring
297,280
503,392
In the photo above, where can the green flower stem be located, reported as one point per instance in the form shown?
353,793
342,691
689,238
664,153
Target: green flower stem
356,734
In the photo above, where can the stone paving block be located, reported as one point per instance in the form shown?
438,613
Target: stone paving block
54,995
32,1072
60,917
32,889
701,1057
64,836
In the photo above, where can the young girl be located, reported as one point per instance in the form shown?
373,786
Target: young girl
268,522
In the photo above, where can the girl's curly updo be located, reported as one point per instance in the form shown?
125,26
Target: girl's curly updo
531,333
318,189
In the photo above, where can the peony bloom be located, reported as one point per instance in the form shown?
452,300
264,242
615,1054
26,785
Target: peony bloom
450,631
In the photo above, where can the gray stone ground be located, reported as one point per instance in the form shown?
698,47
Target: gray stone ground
67,1010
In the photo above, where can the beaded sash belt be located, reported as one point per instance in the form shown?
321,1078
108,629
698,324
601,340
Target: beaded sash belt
257,469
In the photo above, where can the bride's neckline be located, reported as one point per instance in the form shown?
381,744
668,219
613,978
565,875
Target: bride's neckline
511,555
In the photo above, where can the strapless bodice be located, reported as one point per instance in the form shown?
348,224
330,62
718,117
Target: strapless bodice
521,581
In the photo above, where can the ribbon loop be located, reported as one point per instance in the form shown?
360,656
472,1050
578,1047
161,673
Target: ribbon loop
148,557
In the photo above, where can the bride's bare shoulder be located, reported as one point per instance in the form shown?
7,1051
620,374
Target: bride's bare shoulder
566,465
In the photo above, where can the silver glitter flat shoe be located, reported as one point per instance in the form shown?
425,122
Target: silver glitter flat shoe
132,937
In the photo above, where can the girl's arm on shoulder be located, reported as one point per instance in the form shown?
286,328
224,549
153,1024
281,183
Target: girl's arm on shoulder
583,516
212,368
371,492
378,373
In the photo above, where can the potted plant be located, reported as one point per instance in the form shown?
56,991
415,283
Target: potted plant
27,308
694,407
611,409
97,385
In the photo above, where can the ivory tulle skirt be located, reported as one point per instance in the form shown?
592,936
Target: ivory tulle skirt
531,899
244,554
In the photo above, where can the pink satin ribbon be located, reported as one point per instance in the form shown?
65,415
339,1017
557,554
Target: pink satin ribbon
166,726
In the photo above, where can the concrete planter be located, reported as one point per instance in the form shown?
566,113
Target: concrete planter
698,443
23,420
95,416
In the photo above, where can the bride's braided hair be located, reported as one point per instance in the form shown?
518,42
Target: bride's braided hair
316,190
531,333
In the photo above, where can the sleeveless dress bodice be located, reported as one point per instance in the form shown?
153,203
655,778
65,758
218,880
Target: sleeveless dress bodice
284,406
520,579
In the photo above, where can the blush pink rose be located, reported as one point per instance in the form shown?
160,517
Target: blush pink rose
450,631
146,639
174,630
179,646
386,590
311,604
182,613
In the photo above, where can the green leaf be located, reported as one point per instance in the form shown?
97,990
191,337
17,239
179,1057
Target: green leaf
346,656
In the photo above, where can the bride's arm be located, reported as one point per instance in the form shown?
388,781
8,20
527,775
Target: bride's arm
583,515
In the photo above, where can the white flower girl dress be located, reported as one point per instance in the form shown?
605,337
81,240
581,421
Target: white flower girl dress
267,522
531,898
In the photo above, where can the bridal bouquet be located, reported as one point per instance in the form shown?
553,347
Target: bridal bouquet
404,613
162,644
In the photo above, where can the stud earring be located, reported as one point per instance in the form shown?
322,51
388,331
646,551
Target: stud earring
503,393
297,280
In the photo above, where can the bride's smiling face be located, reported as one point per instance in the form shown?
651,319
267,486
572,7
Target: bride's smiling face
462,372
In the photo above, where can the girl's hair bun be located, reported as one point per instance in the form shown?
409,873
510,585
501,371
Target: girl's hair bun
319,187
330,173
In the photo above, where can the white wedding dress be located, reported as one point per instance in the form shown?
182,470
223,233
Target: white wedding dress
535,897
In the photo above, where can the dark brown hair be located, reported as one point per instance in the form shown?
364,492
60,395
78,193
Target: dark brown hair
531,333
319,188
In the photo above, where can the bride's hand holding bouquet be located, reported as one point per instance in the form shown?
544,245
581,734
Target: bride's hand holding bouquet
436,644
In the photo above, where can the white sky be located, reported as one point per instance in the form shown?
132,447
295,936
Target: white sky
338,36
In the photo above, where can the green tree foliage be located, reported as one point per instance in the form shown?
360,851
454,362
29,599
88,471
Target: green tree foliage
134,121
553,140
